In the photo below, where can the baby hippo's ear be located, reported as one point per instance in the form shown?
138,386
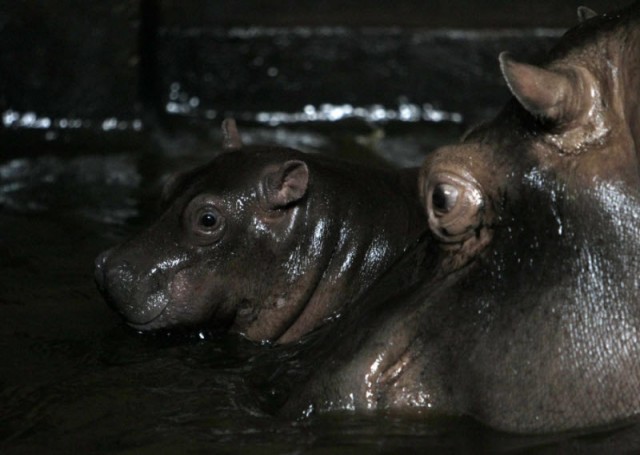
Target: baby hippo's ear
584,13
558,96
230,135
285,184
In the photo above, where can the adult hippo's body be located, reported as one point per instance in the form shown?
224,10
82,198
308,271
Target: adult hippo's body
266,241
522,307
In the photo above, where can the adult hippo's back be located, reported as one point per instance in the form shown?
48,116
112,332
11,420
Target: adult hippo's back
266,241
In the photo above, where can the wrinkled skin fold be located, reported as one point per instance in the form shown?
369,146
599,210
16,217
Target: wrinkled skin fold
521,306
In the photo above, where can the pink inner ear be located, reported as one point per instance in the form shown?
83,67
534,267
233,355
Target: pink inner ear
295,181
286,184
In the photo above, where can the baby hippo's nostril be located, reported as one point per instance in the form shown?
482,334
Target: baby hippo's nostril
99,271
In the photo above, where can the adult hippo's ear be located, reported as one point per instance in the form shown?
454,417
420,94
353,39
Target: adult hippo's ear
559,96
285,184
230,135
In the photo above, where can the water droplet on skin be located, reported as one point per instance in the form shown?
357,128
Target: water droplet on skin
308,411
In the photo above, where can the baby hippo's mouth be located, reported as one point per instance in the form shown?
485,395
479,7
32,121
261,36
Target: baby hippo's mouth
141,314
139,300
157,303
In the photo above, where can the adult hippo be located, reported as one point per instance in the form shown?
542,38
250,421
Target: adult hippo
522,306
268,242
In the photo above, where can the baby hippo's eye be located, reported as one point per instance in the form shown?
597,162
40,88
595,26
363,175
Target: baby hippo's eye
203,222
454,205
208,219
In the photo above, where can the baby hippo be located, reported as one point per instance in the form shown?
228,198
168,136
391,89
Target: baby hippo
267,242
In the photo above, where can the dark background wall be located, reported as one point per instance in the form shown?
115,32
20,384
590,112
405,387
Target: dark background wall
411,13
116,65
69,58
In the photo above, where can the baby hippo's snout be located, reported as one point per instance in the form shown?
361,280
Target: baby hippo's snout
138,297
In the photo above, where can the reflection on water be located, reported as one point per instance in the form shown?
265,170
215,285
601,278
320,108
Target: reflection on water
31,120
181,103
99,188
74,378
404,112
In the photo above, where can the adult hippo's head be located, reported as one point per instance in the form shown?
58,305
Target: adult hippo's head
571,125
537,216
527,314
265,241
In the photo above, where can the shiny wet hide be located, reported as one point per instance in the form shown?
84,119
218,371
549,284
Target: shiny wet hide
74,378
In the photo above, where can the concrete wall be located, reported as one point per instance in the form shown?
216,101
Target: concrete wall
113,65
71,59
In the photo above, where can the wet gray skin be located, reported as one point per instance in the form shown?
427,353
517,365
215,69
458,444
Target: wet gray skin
525,311
267,242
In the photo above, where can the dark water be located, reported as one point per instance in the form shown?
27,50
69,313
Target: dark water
73,378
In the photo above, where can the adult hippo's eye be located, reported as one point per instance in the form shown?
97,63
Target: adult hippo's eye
444,198
453,204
